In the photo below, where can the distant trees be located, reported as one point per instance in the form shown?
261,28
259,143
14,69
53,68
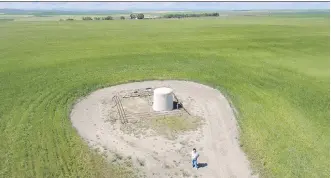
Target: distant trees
107,18
191,15
87,18
98,18
140,16
133,16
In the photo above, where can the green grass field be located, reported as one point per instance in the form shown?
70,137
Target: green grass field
274,70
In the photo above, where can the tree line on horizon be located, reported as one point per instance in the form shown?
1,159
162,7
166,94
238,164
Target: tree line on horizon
215,14
99,18
132,16
142,16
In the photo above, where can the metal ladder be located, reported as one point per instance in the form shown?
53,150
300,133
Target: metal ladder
116,99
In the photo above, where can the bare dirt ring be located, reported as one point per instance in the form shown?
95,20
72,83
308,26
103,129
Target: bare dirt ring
155,154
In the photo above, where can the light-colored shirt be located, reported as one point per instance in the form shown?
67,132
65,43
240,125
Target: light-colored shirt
195,155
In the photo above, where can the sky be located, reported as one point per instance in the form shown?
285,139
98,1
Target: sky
163,5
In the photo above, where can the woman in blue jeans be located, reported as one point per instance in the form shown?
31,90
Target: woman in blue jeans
195,156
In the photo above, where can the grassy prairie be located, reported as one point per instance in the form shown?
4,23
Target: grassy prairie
275,71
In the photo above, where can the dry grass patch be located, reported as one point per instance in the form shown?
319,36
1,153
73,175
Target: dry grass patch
171,126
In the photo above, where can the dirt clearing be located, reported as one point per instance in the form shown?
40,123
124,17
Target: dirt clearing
161,148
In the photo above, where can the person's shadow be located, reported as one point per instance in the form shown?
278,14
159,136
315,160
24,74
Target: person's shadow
201,165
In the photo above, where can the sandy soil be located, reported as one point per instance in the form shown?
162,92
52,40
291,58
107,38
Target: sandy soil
159,156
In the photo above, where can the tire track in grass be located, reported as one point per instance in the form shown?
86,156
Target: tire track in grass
24,130
39,123
73,147
24,127
21,104
44,124
56,140
63,132
52,106
6,138
63,126
30,123
49,126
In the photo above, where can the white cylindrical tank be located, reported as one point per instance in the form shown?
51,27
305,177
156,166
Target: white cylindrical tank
163,99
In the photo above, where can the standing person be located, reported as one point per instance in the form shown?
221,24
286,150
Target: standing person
195,156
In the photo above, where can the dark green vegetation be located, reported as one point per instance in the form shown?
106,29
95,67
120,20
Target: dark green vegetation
108,18
140,16
87,18
98,18
215,14
132,16
275,70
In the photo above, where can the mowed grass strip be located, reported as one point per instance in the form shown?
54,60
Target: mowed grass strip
274,70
